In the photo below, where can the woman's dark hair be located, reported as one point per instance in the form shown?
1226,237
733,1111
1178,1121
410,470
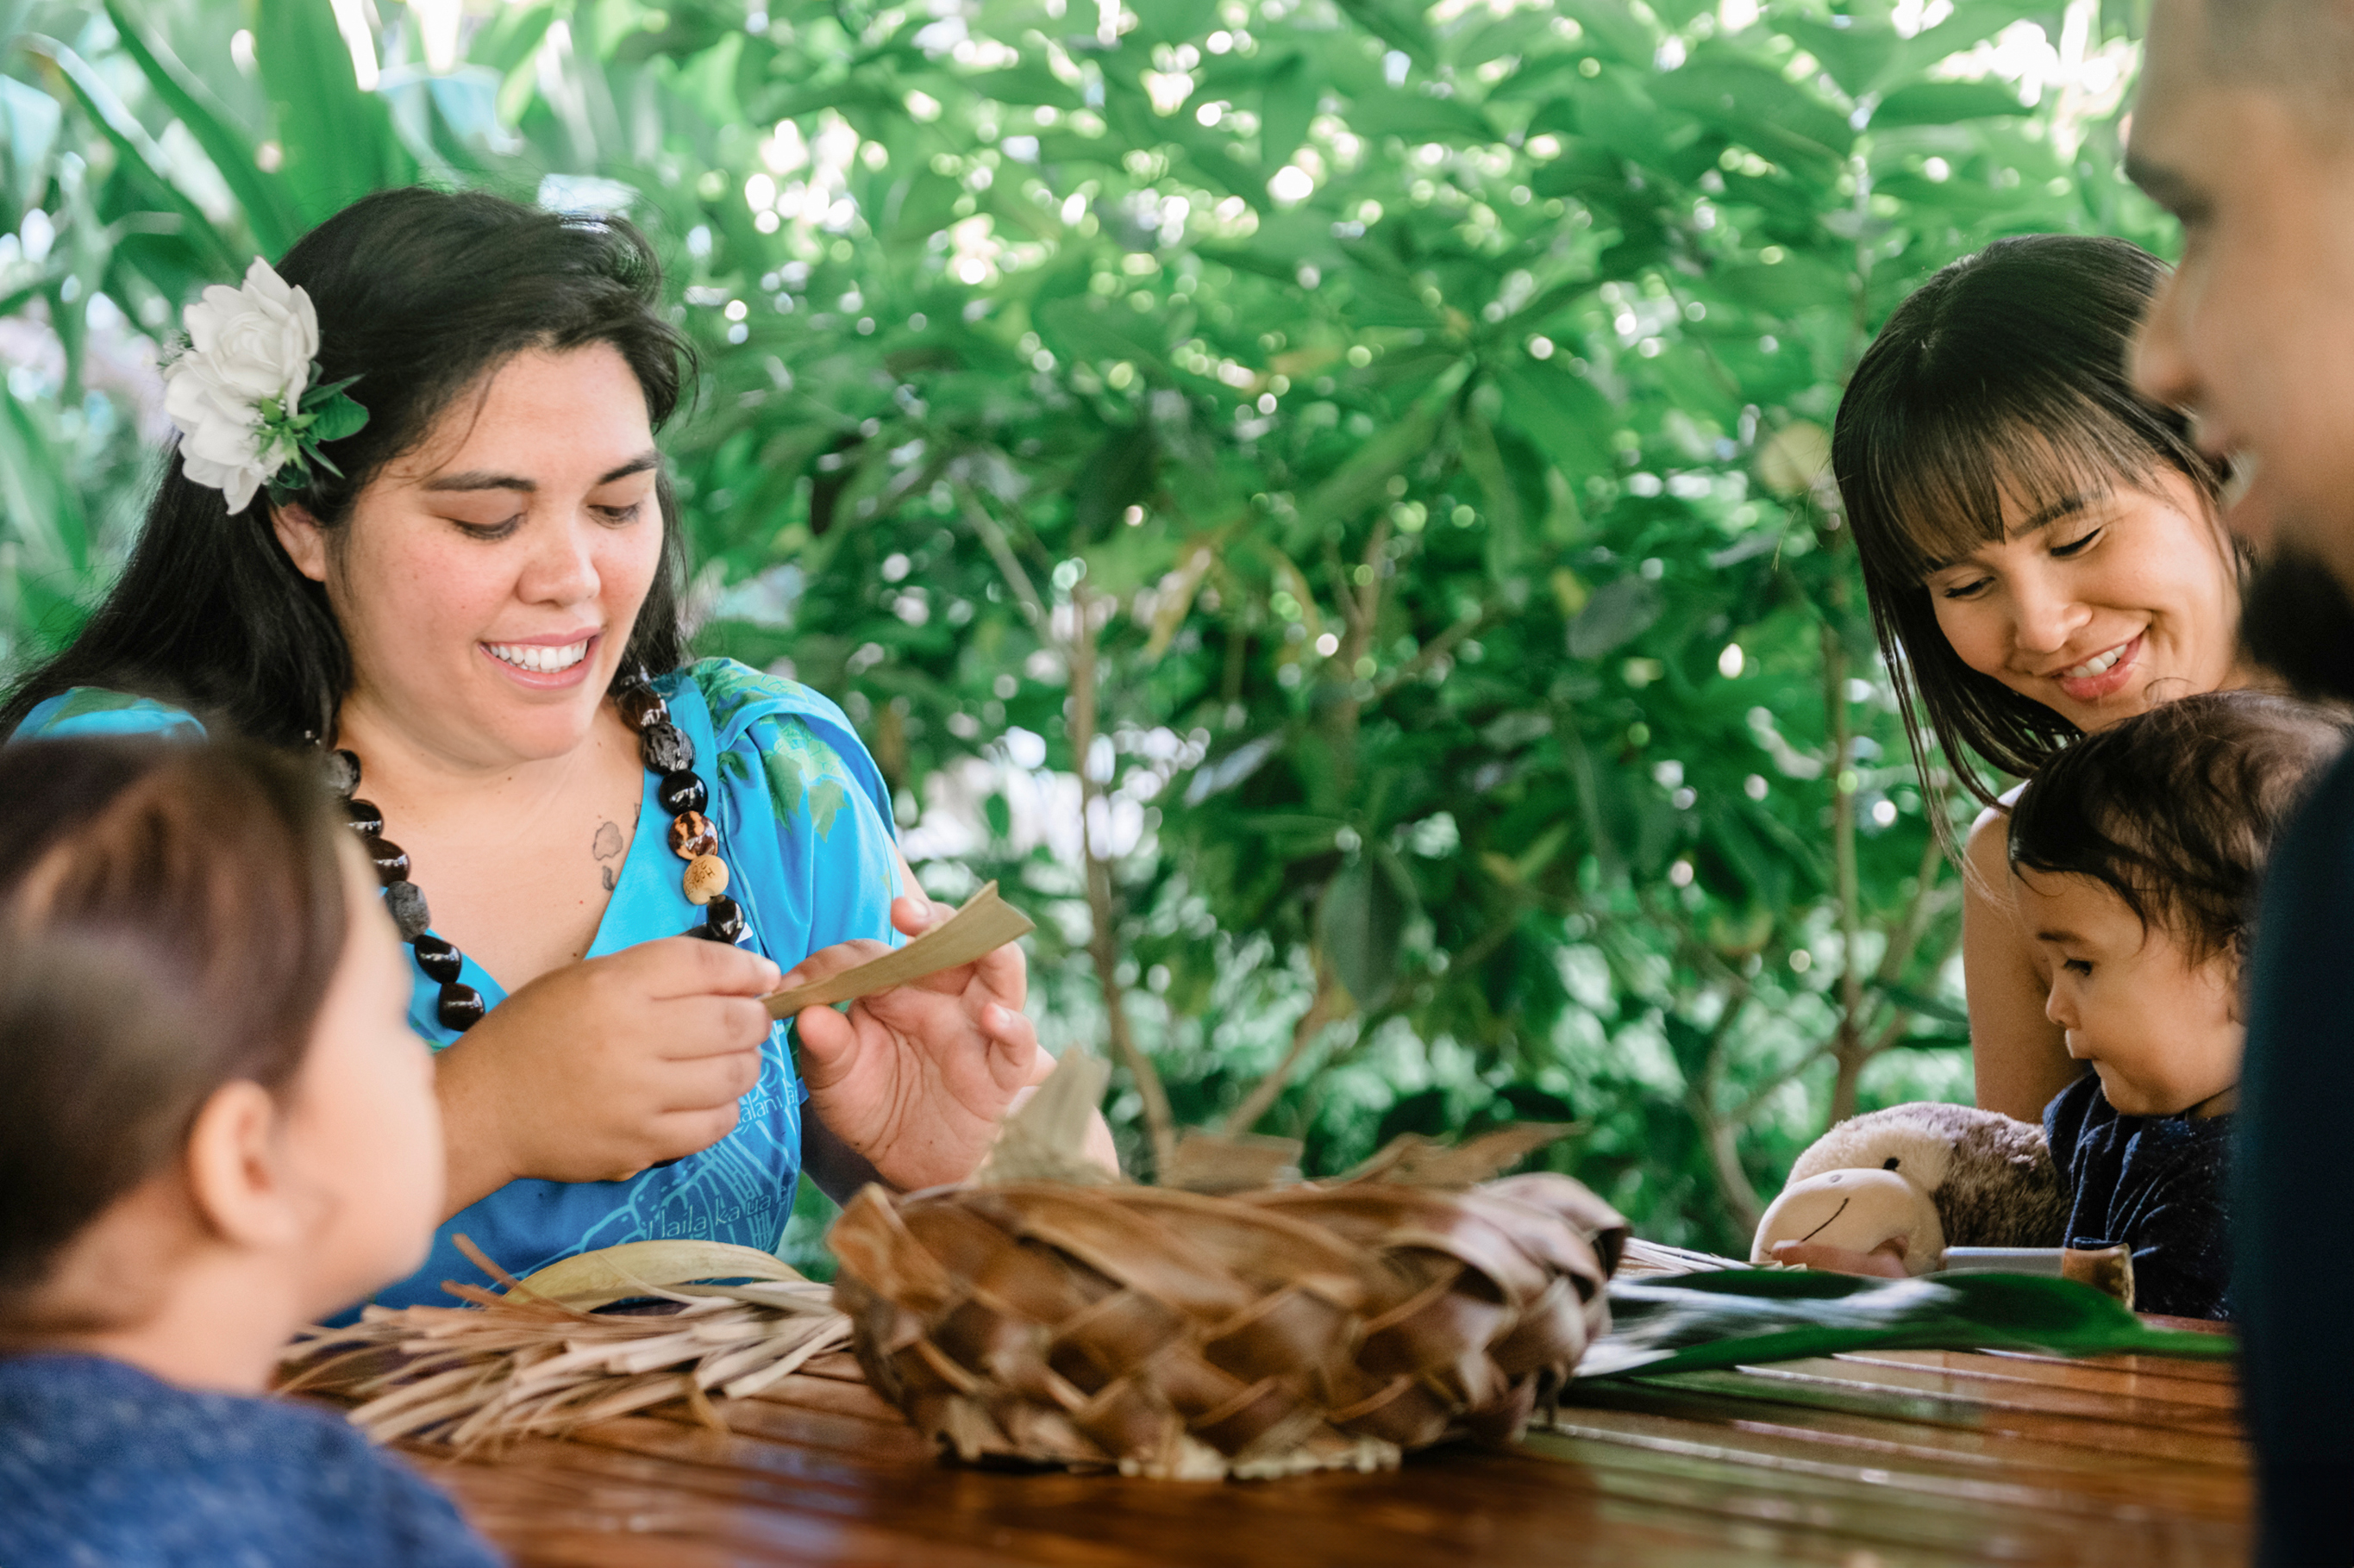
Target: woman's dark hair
2006,372
171,916
2176,809
419,294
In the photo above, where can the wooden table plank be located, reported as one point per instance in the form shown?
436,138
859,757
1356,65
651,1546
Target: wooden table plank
1968,1389
2072,1481
2163,1387
1872,1515
1862,1461
1874,1440
1761,1385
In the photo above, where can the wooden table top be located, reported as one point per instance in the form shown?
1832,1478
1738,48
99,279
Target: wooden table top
1862,1461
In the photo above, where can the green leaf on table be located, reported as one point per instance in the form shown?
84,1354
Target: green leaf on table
1697,1322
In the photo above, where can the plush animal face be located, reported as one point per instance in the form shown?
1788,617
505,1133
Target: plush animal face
1863,1211
1923,1177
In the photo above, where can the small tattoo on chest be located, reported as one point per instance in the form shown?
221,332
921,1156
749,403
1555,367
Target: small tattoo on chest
605,846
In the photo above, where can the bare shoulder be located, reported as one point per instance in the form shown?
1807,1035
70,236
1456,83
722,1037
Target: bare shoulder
1988,845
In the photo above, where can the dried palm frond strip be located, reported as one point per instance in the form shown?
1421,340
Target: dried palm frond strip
537,1360
1183,1335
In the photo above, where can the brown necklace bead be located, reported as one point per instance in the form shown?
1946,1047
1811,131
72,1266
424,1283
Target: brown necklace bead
723,921
365,817
692,834
665,747
391,860
438,960
461,1007
680,792
642,705
341,770
706,879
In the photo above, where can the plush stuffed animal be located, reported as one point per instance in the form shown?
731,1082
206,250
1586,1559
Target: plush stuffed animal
1918,1178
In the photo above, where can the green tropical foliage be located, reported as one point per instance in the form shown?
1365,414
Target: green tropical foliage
1323,497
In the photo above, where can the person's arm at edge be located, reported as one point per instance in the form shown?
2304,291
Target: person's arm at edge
2292,1227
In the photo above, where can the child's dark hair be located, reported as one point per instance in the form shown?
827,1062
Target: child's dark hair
2176,809
420,293
170,916
2006,372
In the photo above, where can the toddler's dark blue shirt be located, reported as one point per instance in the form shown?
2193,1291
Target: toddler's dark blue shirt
103,1464
2154,1183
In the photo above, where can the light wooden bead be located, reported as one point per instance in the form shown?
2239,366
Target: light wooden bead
707,878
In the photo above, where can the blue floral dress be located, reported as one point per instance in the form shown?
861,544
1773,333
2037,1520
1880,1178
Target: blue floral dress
806,822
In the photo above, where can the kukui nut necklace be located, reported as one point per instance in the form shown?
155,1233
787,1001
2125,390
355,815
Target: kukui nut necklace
666,752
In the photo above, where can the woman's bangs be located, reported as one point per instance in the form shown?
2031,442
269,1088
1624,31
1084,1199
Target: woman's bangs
1950,487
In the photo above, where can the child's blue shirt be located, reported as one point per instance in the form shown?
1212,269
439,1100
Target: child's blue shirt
2154,1183
101,1464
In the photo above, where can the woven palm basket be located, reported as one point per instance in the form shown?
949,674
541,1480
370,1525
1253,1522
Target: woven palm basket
1185,1335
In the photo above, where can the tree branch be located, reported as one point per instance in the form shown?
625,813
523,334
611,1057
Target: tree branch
1103,936
1330,1004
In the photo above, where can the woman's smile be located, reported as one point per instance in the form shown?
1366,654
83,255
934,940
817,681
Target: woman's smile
561,659
2104,674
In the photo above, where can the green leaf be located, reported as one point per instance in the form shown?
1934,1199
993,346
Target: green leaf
1946,103
38,499
1564,414
274,224
1616,614
1083,327
1794,283
1397,23
1360,925
1116,476
1366,476
1702,1322
338,142
1418,117
1175,21
1286,104
122,128
334,418
1857,53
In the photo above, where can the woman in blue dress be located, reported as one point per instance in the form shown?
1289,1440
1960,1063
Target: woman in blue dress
416,520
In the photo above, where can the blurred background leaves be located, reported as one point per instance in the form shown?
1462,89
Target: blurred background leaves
1325,499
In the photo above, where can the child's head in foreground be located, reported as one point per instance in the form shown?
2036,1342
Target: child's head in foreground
218,1125
2136,854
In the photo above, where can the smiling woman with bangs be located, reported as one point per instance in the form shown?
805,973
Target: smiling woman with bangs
2043,555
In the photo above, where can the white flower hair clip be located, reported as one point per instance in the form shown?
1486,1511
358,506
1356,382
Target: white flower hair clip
241,392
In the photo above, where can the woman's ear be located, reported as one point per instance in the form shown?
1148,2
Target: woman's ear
305,541
235,1169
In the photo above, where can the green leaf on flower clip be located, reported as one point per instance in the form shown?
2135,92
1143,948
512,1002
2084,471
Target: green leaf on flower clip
333,419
